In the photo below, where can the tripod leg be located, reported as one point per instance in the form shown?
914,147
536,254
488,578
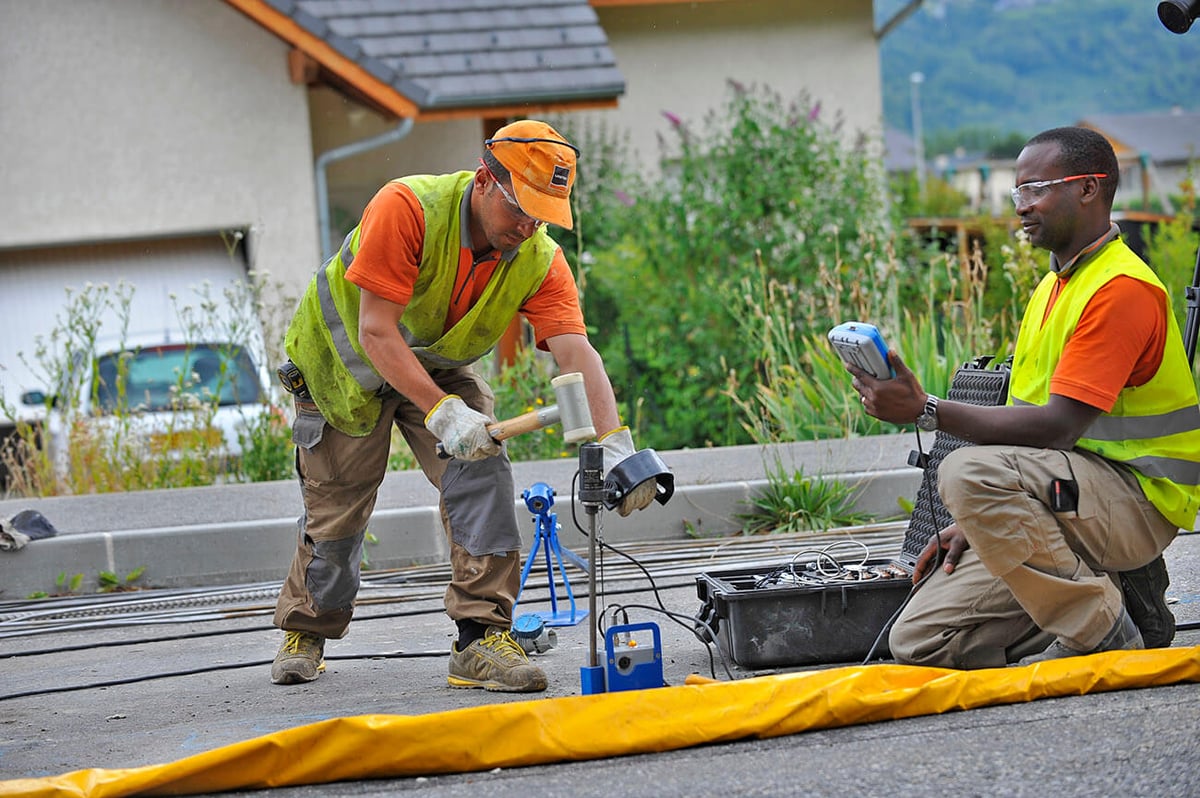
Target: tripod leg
537,541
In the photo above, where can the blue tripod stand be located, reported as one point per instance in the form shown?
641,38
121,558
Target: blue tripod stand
539,499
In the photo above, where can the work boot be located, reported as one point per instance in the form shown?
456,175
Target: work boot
301,658
1145,592
1124,635
495,662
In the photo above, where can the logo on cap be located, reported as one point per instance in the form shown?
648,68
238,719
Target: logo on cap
561,177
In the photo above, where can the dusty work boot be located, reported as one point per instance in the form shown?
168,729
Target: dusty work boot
1124,635
495,662
1145,592
301,658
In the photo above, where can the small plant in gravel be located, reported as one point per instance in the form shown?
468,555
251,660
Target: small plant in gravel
794,502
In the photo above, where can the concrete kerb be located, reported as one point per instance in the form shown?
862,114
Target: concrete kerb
237,534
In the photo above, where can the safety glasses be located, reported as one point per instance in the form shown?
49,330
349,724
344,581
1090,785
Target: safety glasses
1029,193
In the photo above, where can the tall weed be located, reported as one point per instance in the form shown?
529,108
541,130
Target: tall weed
110,450
1173,251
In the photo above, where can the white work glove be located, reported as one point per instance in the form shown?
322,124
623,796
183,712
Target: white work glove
462,431
618,444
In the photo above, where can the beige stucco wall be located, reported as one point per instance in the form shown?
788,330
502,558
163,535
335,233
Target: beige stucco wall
127,120
675,57
428,148
679,58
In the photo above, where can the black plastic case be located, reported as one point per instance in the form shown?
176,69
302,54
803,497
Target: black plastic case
782,625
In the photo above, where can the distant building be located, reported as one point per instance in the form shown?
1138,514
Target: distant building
899,152
1155,150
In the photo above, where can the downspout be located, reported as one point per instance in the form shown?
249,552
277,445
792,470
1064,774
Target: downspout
340,153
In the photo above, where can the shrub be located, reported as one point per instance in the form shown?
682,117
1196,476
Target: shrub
761,175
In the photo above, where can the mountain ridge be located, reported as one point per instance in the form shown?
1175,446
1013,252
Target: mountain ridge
1003,69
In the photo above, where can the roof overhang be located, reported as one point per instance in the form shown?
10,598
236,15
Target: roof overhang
339,51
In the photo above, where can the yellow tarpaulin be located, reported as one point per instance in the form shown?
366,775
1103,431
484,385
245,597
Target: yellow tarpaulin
634,722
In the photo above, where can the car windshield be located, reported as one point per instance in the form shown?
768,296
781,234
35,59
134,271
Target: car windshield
153,378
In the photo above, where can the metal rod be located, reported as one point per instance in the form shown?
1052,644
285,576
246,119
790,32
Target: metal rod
1192,292
593,643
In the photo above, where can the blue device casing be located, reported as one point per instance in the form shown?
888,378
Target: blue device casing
860,344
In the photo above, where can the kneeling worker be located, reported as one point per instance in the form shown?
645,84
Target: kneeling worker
1063,509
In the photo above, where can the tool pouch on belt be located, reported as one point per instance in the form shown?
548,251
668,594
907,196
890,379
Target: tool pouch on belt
309,426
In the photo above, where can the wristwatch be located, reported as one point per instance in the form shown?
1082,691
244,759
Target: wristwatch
928,420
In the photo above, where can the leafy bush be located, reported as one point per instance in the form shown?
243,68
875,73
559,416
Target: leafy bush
765,176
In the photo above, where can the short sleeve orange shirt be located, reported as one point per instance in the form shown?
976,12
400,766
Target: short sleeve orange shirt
389,258
1117,343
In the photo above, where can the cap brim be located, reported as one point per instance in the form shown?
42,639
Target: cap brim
555,210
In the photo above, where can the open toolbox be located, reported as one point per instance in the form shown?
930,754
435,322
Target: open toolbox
835,604
767,617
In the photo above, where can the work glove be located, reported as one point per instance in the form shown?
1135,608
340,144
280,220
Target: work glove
618,444
462,431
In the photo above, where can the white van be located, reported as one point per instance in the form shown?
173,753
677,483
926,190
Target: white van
171,304
152,399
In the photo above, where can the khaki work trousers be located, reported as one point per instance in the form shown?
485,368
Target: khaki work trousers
340,477
1031,574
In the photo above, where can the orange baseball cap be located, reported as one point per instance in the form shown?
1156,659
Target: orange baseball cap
542,165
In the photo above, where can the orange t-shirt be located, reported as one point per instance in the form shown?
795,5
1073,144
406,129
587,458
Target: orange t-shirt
1118,342
389,258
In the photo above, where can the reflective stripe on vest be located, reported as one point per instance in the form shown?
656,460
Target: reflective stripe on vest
1153,428
362,371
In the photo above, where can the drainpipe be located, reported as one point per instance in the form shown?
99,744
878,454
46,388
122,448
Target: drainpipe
340,153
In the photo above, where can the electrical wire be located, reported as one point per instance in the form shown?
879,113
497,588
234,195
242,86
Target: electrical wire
87,612
358,619
693,622
912,591
598,568
69,688
679,618
923,458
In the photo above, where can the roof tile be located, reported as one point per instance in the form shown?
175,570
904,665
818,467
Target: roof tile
459,53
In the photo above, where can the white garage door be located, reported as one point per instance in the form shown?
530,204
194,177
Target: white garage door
34,283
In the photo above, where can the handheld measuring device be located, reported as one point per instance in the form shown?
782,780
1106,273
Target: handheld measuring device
860,344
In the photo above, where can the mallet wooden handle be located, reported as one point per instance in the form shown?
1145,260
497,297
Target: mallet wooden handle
518,425
526,422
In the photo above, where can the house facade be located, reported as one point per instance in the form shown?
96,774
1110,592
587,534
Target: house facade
230,137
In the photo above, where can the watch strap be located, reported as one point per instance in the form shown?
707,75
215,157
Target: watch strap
928,420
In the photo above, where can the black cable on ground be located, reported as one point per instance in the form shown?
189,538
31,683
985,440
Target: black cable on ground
937,561
358,619
210,669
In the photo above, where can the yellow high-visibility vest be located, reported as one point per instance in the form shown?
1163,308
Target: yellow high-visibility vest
322,338
1153,428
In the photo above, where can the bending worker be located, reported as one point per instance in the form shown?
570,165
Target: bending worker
1091,468
386,333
